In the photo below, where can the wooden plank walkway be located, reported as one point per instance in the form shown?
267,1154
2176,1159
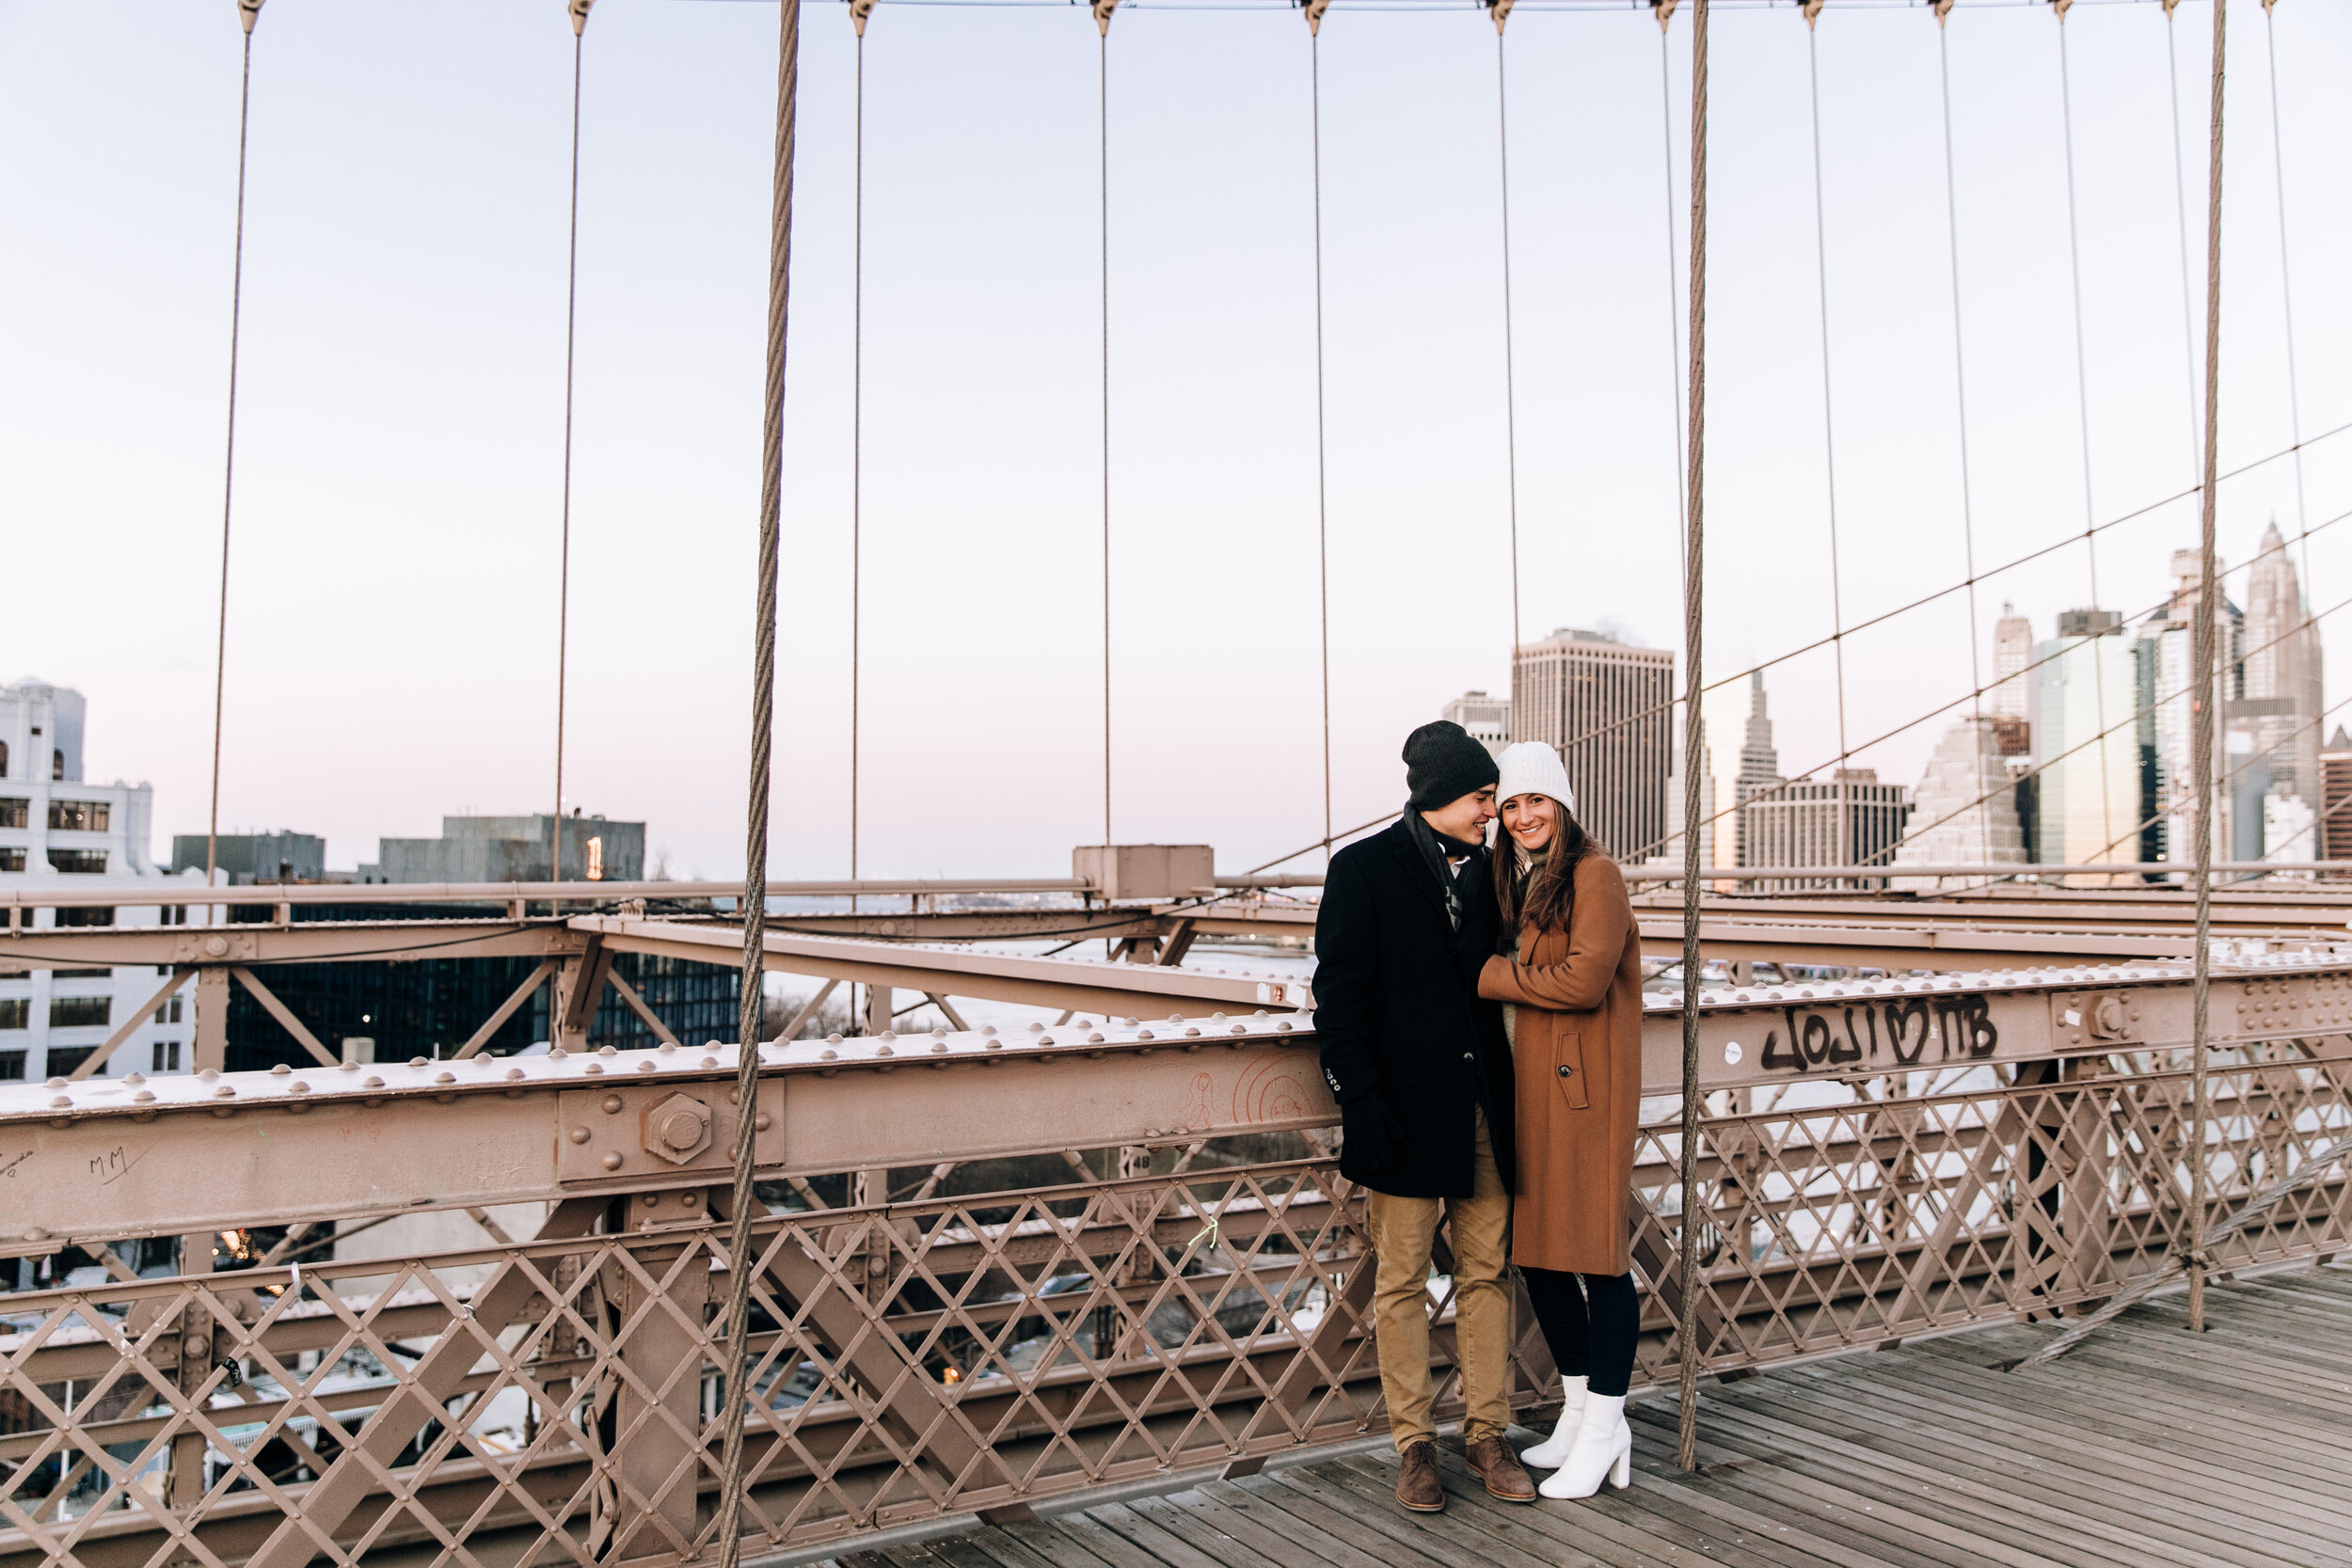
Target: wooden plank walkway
2144,1447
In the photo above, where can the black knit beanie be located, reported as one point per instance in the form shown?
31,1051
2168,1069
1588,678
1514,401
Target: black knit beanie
1442,764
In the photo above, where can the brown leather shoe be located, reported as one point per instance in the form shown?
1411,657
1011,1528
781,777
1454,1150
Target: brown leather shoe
1417,1484
1492,1462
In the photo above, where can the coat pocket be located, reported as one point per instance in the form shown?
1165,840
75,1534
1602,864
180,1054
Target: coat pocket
1567,1065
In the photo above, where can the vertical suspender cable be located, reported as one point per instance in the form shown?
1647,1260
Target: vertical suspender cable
249,11
1664,10
2082,405
1829,437
1694,580
859,11
579,11
745,1200
2179,208
1500,10
1960,385
2208,590
1102,9
2286,304
1314,9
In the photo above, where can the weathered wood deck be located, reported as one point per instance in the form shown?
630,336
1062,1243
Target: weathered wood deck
2146,1445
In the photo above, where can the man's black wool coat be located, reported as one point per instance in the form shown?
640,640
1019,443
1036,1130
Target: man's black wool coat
1397,1012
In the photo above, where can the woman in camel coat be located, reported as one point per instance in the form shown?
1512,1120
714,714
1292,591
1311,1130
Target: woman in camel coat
1570,976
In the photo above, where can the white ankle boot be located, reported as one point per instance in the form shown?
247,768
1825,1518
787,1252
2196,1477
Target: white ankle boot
1603,1449
1554,1450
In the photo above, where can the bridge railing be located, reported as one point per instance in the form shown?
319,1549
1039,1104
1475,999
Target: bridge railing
992,1271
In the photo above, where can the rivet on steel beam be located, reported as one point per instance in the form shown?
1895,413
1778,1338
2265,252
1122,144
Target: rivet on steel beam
612,1162
988,1029
579,1134
1045,1040
1239,1029
884,1050
1144,1034
1216,1018
35,1234
55,1084
833,1039
606,1051
991,1043
1094,1038
372,1083
667,1046
135,1078
225,1092
1191,1034
297,1087
593,1067
556,1052
445,1077
144,1097
514,1074
1281,1026
418,1061
829,1054
60,1102
1036,1028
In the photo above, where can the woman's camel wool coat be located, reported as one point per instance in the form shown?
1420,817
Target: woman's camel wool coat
1577,1056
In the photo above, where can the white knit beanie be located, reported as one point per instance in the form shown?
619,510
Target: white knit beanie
1532,768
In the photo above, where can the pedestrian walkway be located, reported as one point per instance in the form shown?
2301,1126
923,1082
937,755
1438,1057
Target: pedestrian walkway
2146,1445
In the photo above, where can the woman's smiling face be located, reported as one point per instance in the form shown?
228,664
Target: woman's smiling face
1531,820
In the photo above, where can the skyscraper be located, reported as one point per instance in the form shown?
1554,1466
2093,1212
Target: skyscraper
1759,763
2012,650
2279,703
1965,810
2086,736
1607,707
1850,819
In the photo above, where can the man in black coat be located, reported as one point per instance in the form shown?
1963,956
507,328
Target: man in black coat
1422,1074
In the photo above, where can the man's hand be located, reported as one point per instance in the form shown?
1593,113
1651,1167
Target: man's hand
1373,1132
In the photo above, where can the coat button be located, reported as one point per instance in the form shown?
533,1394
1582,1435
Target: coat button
1567,1072
1469,1057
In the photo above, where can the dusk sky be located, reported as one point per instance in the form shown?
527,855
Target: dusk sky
392,604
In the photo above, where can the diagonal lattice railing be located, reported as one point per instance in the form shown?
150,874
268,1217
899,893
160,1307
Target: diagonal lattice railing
1125,1314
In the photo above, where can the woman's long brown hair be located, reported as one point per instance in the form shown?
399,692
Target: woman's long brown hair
1545,895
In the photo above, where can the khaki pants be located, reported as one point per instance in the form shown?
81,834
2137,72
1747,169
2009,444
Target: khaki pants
1401,1229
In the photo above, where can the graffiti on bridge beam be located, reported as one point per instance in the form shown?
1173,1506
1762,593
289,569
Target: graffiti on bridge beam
1895,1032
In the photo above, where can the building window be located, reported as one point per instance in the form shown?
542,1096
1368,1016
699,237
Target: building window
11,857
80,1013
63,1060
79,816
86,861
166,1055
15,811
56,767
596,859
90,916
101,972
3,759
168,1012
11,1067
16,1013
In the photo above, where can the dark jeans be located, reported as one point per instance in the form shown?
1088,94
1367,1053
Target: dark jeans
1591,1321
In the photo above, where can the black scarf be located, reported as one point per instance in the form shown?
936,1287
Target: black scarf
1435,847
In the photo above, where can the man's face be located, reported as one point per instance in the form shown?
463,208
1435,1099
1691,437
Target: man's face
1465,819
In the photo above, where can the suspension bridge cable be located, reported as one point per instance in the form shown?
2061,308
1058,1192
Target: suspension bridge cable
1688,1351
1314,9
248,12
2286,298
1500,10
1960,390
2082,404
859,11
2179,210
2207,674
1812,12
745,1199
1102,9
578,9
